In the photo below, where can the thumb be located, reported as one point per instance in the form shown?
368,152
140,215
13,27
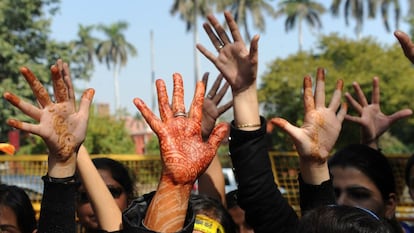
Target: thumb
285,126
218,134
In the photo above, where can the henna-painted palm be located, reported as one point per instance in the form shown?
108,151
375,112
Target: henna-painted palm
234,61
316,137
406,44
211,110
184,155
372,120
61,127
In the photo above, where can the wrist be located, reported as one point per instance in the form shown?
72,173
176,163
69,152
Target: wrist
314,172
58,168
62,180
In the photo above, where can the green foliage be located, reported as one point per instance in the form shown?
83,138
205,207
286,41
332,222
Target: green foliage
152,147
24,41
107,135
281,88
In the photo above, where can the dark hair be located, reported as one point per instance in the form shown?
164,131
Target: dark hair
408,166
341,219
213,208
16,199
369,161
119,172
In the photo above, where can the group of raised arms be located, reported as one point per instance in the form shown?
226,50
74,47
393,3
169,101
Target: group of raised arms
352,190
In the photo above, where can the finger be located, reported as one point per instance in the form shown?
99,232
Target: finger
178,94
205,79
68,81
86,101
234,28
308,101
213,90
219,96
405,42
219,29
210,56
59,86
196,109
153,121
38,89
342,112
320,88
375,96
354,119
31,128
337,95
400,115
360,94
218,134
163,103
215,40
24,106
353,102
225,107
254,47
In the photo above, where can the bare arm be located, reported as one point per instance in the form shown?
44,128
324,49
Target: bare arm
107,211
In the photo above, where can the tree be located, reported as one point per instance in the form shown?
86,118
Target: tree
355,8
281,90
24,41
85,46
115,51
189,10
240,10
299,10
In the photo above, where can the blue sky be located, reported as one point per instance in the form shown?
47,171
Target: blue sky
174,47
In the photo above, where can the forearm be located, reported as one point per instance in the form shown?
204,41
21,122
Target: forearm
168,208
313,172
246,109
211,182
107,211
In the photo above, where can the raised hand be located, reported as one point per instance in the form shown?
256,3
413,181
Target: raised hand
372,120
235,61
61,125
184,155
317,136
211,110
406,44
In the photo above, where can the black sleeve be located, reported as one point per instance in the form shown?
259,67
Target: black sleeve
265,207
313,196
133,216
57,213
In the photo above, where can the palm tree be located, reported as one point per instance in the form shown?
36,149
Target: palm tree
189,10
299,10
86,43
115,50
356,9
240,10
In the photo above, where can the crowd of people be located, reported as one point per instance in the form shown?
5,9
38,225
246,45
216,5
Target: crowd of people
352,190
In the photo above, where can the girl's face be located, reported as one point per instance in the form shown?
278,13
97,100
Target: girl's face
354,188
8,220
84,208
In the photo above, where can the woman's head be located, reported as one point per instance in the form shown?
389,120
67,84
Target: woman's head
16,210
341,219
119,182
208,209
363,177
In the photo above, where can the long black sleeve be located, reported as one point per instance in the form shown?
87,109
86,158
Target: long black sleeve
265,207
57,213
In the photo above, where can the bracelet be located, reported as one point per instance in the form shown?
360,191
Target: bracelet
64,180
248,125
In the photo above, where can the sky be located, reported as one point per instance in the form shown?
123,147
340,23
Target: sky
173,48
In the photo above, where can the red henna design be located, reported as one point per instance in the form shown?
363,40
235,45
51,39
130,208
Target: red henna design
13,99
